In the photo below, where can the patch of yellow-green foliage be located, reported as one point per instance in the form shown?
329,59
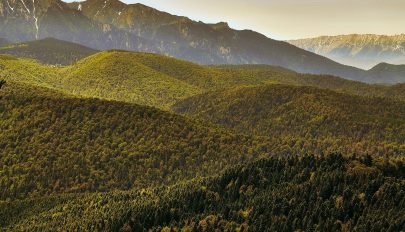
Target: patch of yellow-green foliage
160,81
120,76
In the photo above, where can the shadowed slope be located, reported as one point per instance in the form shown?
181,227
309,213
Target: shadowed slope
49,51
304,114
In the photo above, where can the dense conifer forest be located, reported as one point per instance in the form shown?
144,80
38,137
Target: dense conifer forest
306,193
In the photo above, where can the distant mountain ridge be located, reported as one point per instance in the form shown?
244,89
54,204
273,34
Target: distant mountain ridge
363,51
111,24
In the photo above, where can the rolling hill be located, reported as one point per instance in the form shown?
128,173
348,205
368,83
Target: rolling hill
160,81
122,76
330,193
306,118
265,74
49,51
363,51
52,143
394,73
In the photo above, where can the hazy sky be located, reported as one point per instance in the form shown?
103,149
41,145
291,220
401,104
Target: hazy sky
289,19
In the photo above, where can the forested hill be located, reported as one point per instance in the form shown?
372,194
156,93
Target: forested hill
51,143
305,117
329,193
388,71
48,51
160,81
266,74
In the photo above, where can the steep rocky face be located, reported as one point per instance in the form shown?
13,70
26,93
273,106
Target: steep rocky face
23,20
173,35
364,51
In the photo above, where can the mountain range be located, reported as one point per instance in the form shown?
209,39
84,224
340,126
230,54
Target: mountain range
111,24
363,51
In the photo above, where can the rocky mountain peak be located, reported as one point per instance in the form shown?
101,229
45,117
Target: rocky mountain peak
220,26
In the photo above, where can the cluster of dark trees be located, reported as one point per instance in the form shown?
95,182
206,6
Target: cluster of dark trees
307,193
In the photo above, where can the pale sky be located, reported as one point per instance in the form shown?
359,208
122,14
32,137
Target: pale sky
291,19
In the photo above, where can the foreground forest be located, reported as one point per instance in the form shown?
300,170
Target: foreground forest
123,141
306,193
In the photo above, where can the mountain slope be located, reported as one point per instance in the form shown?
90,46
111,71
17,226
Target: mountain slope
49,51
207,43
107,24
22,20
331,193
363,51
305,117
52,143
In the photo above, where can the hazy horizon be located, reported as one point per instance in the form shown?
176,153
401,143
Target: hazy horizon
288,19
